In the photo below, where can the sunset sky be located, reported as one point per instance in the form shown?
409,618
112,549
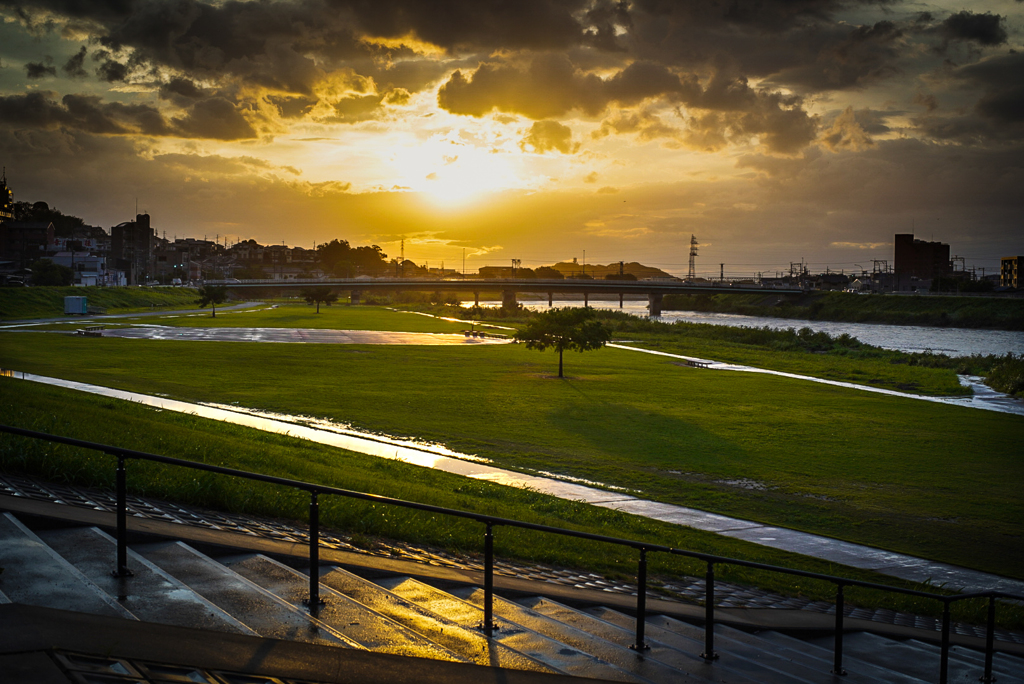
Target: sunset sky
774,131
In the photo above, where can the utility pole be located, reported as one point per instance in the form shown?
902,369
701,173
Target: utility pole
463,263
401,259
693,255
721,273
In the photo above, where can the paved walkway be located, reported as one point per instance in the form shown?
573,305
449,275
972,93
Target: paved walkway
847,553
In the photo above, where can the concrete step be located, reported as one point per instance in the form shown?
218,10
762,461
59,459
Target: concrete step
252,605
759,664
920,659
1002,664
150,594
36,575
470,644
683,655
559,656
615,650
796,655
347,616
824,654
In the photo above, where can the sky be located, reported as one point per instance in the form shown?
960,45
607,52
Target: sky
481,131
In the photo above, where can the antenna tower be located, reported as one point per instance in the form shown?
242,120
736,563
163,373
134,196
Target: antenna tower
693,255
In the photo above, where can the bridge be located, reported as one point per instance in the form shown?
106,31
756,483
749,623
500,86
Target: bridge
655,290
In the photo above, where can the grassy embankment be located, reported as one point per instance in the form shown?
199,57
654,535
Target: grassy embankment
955,312
932,480
48,302
116,422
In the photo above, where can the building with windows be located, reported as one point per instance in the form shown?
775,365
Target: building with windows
1009,271
919,259
131,249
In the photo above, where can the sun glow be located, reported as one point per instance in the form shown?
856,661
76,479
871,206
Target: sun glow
454,172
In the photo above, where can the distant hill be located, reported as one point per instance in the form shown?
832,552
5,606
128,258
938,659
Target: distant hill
599,271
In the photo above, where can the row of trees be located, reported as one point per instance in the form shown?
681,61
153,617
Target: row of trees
342,260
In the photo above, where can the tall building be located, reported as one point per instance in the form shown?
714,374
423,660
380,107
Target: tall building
919,259
131,249
1009,271
6,200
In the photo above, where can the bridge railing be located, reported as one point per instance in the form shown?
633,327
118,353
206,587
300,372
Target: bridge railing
490,522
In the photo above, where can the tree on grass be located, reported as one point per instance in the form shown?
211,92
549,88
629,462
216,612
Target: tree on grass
45,272
316,295
213,295
570,328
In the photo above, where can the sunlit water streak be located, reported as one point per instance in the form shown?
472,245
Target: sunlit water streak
440,458
982,397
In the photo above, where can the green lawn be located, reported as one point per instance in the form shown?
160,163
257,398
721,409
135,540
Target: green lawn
121,423
48,302
932,480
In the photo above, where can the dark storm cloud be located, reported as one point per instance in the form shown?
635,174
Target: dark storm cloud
998,115
214,118
39,70
984,29
75,66
112,71
551,86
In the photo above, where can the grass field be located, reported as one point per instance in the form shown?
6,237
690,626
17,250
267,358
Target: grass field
932,480
121,423
47,302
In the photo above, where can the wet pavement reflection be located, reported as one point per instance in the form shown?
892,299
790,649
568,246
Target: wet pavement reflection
438,457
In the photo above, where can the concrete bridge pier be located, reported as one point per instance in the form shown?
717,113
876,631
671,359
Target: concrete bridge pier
586,300
620,300
551,301
476,299
353,296
654,304
508,299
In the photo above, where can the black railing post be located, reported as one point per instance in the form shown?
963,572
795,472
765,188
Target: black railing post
990,637
944,645
709,615
837,660
314,601
641,602
488,625
121,570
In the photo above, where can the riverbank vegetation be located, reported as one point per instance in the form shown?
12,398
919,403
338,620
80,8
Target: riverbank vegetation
129,425
928,479
1001,313
48,302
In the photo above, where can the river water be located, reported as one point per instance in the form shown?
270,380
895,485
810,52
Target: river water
906,338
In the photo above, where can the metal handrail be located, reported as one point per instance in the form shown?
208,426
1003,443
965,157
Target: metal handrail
490,521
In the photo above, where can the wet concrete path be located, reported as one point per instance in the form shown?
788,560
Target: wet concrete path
296,335
436,456
982,396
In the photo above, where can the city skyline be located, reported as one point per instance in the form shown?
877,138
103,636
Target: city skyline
539,131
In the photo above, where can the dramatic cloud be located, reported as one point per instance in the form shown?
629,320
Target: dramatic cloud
985,29
38,70
789,124
214,118
549,136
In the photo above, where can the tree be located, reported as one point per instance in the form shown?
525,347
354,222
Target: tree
212,294
45,272
315,295
569,328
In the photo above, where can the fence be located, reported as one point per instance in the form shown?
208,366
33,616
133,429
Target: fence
490,522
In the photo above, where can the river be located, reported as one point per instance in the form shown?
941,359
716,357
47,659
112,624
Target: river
906,338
